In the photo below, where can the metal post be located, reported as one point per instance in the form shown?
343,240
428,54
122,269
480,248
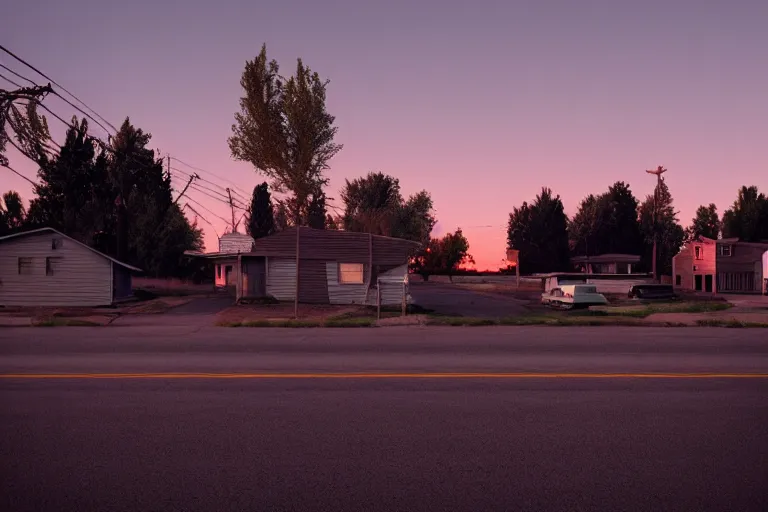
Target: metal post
658,172
378,299
403,313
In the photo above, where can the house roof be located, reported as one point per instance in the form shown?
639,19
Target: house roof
330,245
607,258
51,230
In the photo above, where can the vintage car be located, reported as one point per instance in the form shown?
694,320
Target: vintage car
573,296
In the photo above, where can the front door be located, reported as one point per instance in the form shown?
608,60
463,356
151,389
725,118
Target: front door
257,278
697,283
708,283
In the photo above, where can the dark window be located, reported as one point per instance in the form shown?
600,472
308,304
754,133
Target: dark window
678,280
708,283
697,283
218,271
52,266
698,252
55,243
25,266
724,250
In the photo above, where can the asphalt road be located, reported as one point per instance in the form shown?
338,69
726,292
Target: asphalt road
413,442
449,299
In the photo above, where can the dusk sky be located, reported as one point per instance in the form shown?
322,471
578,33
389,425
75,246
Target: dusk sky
480,103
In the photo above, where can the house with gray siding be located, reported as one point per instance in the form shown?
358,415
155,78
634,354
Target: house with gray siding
324,267
44,267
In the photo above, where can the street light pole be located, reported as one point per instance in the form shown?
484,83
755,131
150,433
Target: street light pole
658,172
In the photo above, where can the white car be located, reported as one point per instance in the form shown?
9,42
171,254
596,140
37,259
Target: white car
570,296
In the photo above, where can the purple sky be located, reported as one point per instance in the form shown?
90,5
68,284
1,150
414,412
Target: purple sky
481,104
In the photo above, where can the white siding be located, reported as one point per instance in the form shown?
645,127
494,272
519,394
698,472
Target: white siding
81,277
345,293
281,278
391,285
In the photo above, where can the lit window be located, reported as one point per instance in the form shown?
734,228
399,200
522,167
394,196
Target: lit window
25,266
351,273
52,266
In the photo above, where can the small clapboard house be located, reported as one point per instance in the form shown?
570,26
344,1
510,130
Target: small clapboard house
44,267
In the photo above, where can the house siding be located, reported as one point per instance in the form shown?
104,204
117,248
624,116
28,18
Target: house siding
81,277
392,284
281,278
346,293
742,271
685,265
313,283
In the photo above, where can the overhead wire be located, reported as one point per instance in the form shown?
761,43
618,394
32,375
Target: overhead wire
17,74
10,81
33,68
19,174
236,187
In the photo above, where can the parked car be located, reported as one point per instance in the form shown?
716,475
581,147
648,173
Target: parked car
652,291
570,296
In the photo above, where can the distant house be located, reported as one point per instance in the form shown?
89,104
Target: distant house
322,266
44,267
225,265
722,266
694,268
606,263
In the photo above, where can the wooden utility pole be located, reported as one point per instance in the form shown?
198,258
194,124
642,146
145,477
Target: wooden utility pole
658,172
296,298
232,209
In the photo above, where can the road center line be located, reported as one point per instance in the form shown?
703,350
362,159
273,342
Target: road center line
438,375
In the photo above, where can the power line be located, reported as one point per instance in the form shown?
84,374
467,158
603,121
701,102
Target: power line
186,205
20,175
17,74
187,198
10,81
211,173
223,189
194,187
30,66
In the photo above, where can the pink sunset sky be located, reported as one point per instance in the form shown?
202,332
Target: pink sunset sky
480,103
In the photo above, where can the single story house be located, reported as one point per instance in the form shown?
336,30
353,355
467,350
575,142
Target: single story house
722,266
606,263
323,267
44,267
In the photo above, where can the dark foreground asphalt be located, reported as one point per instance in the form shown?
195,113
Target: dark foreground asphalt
405,443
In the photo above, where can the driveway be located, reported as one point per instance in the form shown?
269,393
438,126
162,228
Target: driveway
199,312
448,299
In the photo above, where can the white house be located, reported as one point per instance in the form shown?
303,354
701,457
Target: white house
44,267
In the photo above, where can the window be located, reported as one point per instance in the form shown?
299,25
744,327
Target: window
351,273
698,252
55,243
25,266
678,280
218,271
724,250
52,266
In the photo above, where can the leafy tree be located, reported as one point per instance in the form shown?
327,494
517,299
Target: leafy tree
284,130
12,213
260,215
540,232
316,212
115,199
607,223
747,219
331,222
670,234
706,223
373,204
444,255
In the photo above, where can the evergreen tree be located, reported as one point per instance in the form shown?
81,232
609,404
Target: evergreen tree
260,216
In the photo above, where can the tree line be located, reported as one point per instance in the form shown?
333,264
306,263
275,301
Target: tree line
617,222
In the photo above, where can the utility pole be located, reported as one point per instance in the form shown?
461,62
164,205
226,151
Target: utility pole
191,179
658,172
232,209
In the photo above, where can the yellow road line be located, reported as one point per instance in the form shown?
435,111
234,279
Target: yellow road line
416,375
